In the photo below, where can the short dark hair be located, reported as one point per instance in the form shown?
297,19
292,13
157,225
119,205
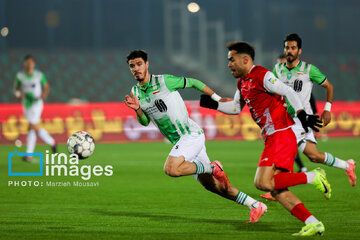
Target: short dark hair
242,47
294,37
29,56
137,54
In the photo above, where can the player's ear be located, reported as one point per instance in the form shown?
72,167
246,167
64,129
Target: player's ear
246,59
147,64
300,50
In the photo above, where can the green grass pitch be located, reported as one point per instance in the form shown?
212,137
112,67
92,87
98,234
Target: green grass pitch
140,202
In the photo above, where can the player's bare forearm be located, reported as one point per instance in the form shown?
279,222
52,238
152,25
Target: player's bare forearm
208,91
326,115
46,91
329,91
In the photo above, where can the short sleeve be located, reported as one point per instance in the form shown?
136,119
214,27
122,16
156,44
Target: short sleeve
174,83
43,79
17,82
316,76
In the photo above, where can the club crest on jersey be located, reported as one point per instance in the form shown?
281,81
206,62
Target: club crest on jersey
289,75
147,99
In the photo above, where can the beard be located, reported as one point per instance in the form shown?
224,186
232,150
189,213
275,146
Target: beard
291,58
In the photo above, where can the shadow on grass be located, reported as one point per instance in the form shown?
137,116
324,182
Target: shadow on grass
237,224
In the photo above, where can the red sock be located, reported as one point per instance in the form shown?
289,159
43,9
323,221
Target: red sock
300,212
284,180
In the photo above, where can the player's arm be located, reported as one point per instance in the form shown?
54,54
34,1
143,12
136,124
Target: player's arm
231,106
319,78
46,87
17,91
174,83
326,115
133,103
274,85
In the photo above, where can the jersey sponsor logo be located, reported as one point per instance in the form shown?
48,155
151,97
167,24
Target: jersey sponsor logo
272,80
161,106
298,85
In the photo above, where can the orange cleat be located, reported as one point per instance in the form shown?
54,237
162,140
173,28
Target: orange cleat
268,196
219,174
350,172
256,213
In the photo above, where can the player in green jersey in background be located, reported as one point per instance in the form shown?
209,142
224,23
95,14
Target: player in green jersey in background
32,88
301,76
155,98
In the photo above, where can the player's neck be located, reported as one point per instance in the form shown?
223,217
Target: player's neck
29,72
146,79
292,64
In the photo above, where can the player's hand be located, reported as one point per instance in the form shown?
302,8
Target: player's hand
311,121
326,117
18,94
207,102
132,102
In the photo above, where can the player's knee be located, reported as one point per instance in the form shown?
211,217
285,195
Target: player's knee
264,185
171,170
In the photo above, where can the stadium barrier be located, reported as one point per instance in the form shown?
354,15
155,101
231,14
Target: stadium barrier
114,122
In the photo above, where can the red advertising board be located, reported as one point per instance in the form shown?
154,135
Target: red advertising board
114,122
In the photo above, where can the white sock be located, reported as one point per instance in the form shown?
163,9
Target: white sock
246,200
332,161
31,141
310,177
45,136
311,219
202,168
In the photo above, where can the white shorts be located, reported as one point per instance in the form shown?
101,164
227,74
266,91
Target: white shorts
192,147
301,136
33,113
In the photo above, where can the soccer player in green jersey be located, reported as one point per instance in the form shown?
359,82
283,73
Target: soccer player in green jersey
32,88
301,76
155,98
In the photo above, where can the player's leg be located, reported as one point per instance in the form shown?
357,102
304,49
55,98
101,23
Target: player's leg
257,209
294,205
280,150
43,134
311,151
177,167
300,164
32,118
180,161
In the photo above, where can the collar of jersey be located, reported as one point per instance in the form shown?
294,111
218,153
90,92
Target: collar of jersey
297,65
146,85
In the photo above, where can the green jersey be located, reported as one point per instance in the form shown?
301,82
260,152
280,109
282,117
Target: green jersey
30,86
162,104
301,79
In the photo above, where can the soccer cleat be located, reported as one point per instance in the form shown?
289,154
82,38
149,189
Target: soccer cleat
256,213
268,196
311,229
54,148
350,172
321,183
219,174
